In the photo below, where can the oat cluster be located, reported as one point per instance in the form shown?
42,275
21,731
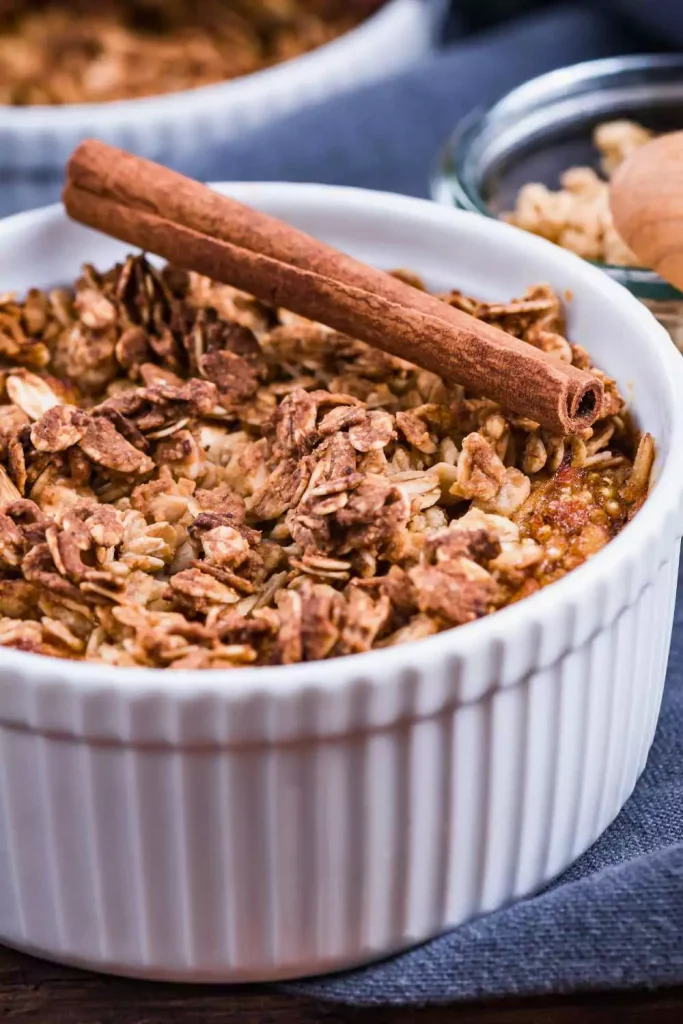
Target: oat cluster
192,479
577,216
95,51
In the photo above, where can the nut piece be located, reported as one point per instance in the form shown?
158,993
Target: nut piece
372,433
8,492
103,444
58,429
31,393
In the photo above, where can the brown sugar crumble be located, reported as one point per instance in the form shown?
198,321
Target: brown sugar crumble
577,216
96,51
192,479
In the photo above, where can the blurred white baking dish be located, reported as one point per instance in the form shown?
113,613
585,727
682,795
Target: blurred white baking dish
272,822
39,139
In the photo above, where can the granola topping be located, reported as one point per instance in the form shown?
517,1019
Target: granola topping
190,479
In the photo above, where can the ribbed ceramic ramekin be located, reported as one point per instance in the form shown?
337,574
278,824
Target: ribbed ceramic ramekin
36,141
272,822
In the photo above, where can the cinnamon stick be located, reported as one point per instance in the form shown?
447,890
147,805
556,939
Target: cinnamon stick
183,221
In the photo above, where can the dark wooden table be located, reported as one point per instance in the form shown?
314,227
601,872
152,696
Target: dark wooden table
40,993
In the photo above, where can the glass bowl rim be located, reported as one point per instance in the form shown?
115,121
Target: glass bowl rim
447,181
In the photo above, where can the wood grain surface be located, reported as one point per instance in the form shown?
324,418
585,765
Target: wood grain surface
41,993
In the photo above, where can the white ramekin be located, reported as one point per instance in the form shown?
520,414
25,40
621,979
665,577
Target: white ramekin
171,128
266,823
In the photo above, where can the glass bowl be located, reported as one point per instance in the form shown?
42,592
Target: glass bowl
545,126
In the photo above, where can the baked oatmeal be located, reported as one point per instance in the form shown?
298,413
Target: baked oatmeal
96,51
192,479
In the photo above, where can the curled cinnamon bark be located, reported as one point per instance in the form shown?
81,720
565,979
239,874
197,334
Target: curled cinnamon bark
185,222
